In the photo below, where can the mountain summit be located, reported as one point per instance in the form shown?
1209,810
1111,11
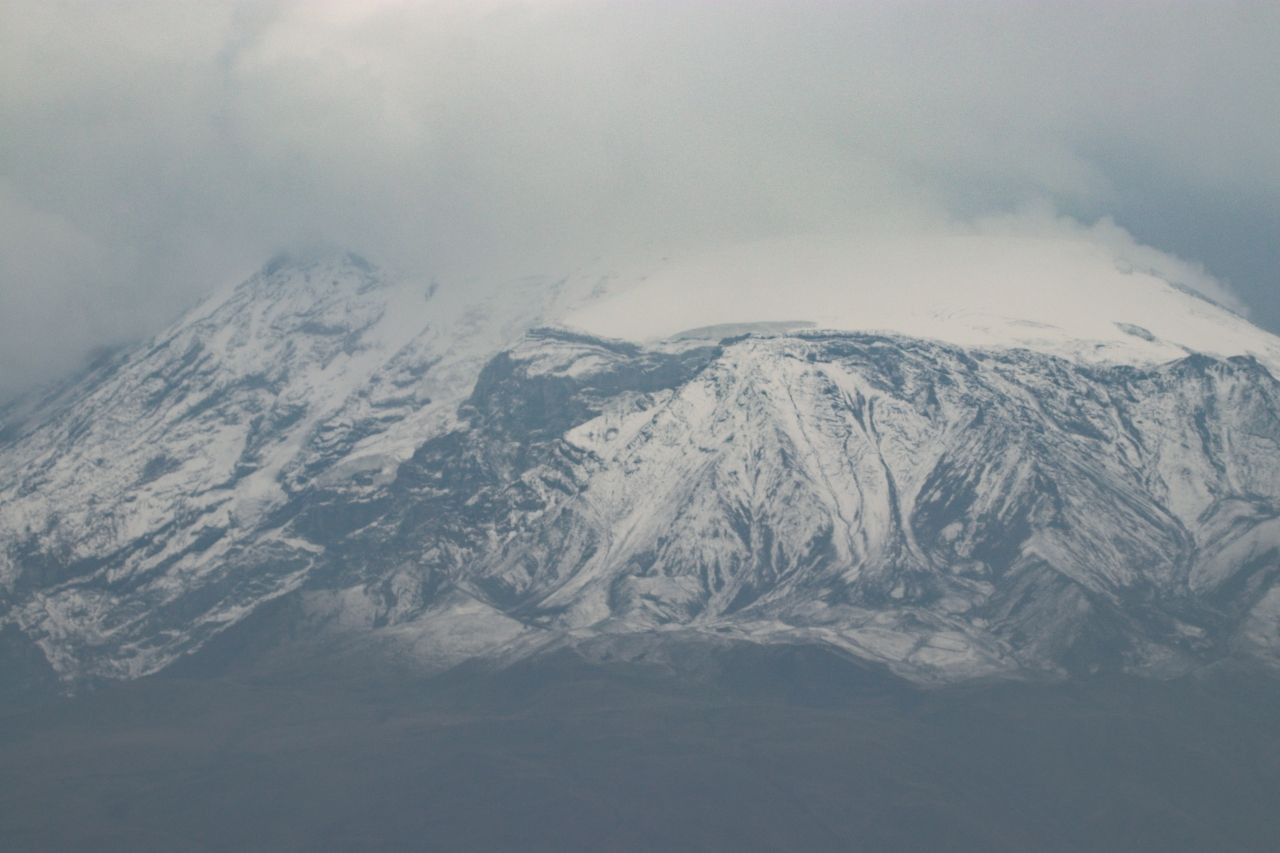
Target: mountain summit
950,491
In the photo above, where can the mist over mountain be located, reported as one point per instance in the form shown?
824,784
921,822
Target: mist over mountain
157,151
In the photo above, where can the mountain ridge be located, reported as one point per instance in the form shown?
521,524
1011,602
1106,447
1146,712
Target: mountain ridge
477,485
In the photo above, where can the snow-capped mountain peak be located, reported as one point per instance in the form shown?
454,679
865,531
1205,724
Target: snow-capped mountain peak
987,489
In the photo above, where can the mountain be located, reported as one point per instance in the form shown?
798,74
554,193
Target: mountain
137,500
954,493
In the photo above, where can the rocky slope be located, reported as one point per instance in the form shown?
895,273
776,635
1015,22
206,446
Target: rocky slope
457,483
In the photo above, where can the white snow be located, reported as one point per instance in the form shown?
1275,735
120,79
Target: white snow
1074,294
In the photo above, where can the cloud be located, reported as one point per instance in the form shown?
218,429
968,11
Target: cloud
154,150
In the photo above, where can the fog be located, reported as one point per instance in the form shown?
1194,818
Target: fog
153,151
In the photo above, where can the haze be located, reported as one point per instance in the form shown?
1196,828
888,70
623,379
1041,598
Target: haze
153,151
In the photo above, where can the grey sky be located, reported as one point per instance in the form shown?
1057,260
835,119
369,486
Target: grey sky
153,150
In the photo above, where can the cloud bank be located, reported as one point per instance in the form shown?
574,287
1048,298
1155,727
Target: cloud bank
155,150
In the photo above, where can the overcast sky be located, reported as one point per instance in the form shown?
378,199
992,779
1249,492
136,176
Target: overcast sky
150,151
